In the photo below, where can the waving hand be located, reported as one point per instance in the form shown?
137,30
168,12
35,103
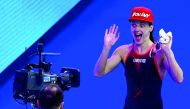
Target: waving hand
111,36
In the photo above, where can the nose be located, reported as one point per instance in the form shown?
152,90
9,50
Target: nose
136,29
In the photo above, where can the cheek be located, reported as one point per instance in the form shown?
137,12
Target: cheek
146,31
132,30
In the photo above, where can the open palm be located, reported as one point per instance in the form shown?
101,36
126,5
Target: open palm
111,36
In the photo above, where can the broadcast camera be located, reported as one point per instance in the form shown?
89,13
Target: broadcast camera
28,83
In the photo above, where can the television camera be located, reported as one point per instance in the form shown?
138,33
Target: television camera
28,83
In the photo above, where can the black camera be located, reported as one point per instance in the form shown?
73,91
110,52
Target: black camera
28,82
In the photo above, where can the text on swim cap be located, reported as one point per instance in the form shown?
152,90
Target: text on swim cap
141,14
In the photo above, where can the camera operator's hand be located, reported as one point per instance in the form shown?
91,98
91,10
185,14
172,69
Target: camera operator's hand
111,36
166,47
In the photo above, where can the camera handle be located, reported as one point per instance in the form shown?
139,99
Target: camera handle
40,68
40,58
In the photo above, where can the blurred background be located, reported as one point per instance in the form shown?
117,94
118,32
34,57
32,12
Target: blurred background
75,29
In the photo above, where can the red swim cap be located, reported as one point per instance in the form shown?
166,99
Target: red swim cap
142,13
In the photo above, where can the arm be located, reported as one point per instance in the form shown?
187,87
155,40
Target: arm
105,65
170,62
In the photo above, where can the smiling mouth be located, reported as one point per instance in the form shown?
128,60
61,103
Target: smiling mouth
138,36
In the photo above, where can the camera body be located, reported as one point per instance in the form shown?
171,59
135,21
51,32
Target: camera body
28,83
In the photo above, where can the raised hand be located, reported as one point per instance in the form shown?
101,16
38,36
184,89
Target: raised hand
167,46
111,36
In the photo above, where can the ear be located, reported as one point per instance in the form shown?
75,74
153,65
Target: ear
151,28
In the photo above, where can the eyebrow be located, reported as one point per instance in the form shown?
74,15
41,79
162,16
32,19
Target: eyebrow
144,23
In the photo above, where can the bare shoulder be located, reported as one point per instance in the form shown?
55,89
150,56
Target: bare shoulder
123,50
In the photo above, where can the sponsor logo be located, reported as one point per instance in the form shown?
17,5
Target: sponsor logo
140,14
139,60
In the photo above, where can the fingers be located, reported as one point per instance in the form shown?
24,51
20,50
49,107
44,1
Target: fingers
113,29
117,37
110,30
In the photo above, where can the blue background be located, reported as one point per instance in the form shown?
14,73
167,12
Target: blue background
79,39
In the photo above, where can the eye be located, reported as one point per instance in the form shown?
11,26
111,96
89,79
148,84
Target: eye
142,25
134,25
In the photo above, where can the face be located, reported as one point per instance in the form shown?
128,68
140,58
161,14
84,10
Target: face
140,31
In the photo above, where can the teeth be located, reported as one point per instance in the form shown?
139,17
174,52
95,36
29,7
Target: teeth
138,35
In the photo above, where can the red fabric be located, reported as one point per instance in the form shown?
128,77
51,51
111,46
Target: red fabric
142,14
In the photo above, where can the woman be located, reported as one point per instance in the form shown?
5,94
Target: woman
145,66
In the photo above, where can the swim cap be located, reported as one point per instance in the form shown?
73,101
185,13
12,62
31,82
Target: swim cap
142,14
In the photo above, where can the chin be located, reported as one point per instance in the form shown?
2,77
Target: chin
138,43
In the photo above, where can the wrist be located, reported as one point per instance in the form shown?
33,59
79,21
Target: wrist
106,48
168,52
